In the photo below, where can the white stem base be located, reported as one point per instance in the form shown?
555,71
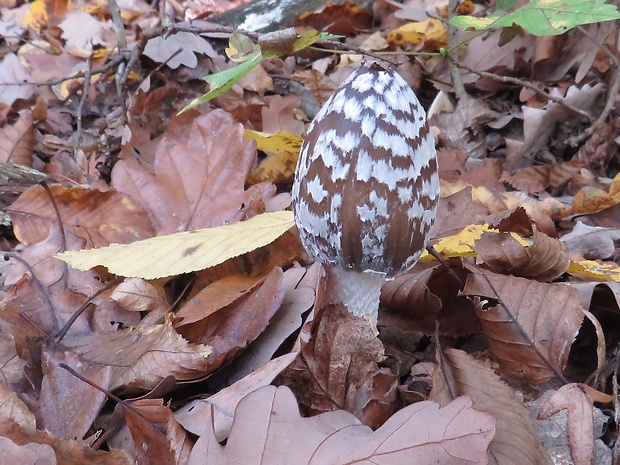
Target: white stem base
359,292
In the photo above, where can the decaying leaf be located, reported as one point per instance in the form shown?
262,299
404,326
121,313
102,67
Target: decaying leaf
515,441
101,218
530,337
267,428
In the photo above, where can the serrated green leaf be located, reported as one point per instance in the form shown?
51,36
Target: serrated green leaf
545,17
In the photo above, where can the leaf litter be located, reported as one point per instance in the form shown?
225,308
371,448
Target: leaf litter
234,357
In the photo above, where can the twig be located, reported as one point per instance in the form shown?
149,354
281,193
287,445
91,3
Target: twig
65,329
332,45
431,250
528,85
44,294
80,108
457,81
612,57
610,102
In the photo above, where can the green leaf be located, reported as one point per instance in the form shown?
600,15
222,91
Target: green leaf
545,17
224,80
306,39
505,4
240,47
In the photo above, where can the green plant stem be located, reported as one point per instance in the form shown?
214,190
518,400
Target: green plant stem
457,81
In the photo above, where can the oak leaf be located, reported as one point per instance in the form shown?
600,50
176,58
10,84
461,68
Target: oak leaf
267,428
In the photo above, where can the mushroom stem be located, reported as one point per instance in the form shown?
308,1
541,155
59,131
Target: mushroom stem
359,292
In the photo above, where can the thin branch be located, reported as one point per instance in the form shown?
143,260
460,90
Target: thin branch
43,291
80,108
528,85
457,81
65,329
610,102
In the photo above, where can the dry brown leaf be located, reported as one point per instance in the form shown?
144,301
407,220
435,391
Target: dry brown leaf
531,337
17,141
82,32
321,86
199,177
538,124
141,357
279,115
342,19
590,242
223,404
532,179
101,218
66,452
150,444
515,441
575,399
28,454
61,407
11,406
299,287
231,329
462,130
214,297
452,167
456,211
138,295
544,260
417,301
166,49
268,429
338,369
157,436
591,199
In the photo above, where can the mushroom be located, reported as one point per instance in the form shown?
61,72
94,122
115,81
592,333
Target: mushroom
366,186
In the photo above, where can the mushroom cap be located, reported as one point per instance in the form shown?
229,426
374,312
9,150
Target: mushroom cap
366,186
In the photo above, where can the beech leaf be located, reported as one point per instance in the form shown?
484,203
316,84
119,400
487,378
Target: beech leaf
533,328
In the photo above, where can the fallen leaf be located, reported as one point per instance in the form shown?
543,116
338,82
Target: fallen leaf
530,338
515,441
12,75
101,218
199,177
267,428
186,251
178,49
575,400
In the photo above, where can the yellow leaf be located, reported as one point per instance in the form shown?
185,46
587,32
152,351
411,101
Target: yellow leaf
36,16
281,141
614,189
459,245
275,169
183,252
591,270
430,29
